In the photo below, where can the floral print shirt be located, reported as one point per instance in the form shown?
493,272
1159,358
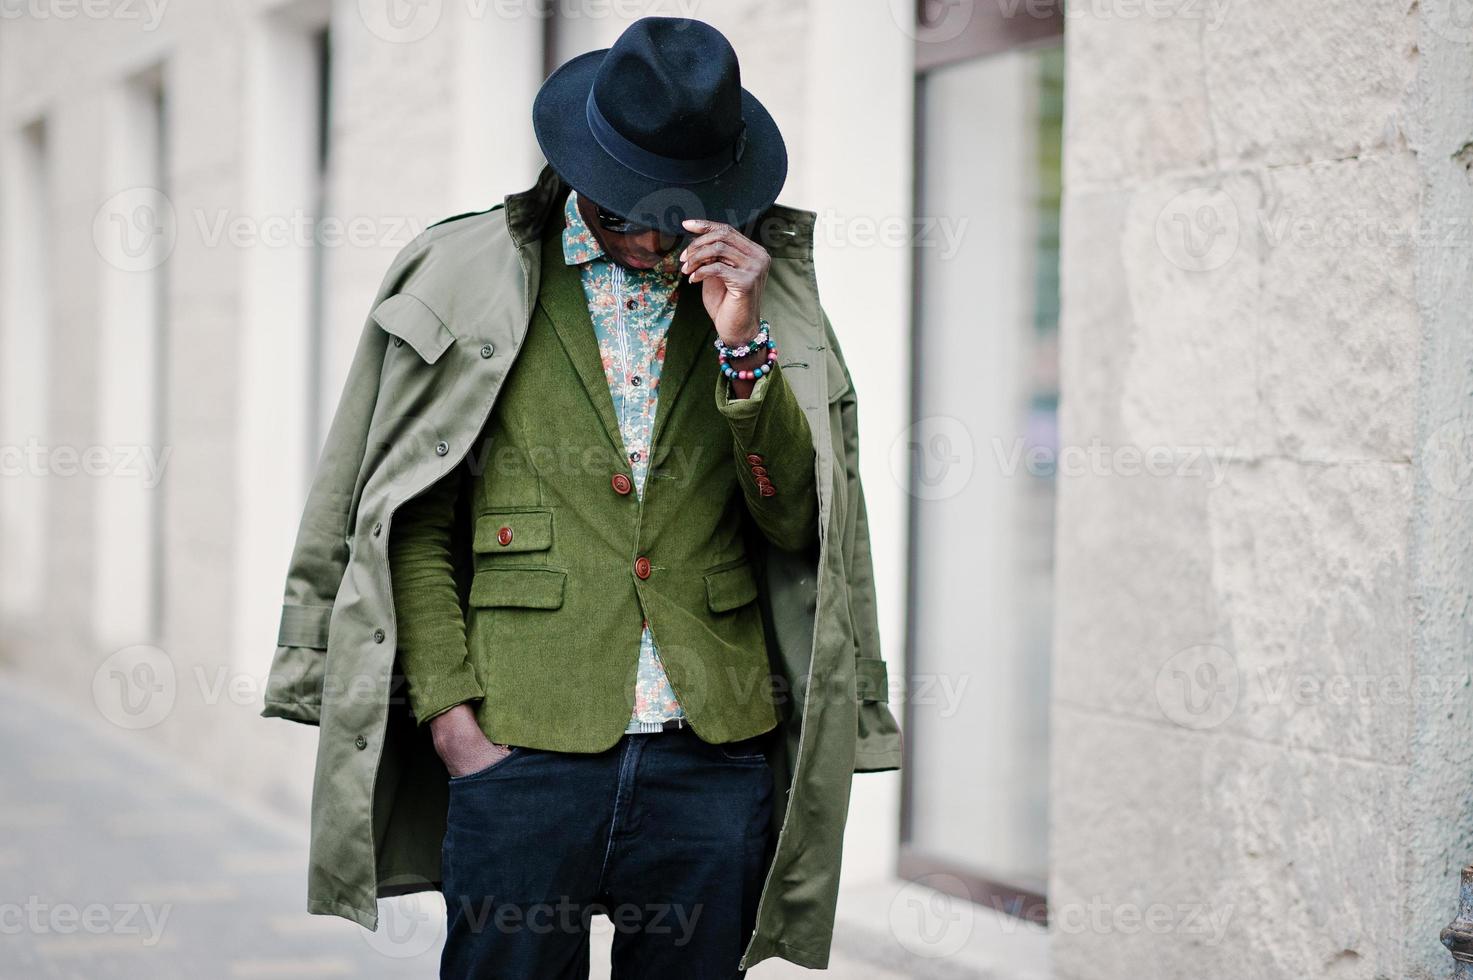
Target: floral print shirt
632,310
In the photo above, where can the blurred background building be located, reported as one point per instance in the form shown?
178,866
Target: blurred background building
1158,314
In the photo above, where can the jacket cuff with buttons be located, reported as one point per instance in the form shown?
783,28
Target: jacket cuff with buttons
774,458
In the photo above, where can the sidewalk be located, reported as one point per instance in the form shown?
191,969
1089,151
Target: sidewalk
114,866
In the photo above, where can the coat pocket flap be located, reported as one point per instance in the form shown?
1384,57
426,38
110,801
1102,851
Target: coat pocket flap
529,530
410,321
730,588
528,588
871,679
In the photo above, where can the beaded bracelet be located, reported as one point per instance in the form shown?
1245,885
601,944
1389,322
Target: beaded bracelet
754,373
763,339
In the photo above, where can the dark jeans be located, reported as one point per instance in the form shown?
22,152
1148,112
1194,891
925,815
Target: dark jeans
664,833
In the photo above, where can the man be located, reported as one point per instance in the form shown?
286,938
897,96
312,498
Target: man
635,621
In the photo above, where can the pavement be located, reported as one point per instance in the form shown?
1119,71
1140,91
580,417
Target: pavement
113,864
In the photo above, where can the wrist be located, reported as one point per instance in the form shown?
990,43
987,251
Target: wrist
751,360
453,725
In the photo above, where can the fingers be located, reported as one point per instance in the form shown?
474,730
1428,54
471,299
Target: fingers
734,245
708,249
727,273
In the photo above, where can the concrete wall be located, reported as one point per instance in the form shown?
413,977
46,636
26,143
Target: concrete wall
1262,712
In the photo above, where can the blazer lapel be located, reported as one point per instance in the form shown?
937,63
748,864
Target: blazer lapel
691,332
561,296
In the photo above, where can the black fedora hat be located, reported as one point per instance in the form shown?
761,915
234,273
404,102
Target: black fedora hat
658,128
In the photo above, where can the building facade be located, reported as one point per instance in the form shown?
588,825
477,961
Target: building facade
1157,311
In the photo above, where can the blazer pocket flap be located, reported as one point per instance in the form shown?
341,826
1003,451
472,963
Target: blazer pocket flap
871,679
527,588
410,321
513,531
730,588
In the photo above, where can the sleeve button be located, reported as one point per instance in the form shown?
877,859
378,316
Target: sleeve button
379,636
361,742
442,448
487,350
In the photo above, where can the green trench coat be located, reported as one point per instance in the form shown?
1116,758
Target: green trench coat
444,331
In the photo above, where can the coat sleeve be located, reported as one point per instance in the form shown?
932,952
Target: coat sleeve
320,554
879,740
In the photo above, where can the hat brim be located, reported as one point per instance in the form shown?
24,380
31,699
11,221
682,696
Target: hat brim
737,196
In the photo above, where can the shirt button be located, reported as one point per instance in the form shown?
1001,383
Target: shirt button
379,636
504,536
442,448
630,304
642,567
361,742
621,484
635,456
487,350
635,381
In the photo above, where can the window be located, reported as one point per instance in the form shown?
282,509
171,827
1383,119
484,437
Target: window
975,810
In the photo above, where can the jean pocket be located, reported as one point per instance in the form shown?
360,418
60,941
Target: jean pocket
752,749
512,751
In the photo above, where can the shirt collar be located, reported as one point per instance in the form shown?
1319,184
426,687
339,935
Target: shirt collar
579,242
581,245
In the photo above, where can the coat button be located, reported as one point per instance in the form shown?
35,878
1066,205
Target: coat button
642,567
361,742
378,529
398,341
759,471
621,484
442,448
768,491
504,536
379,636
754,459
487,350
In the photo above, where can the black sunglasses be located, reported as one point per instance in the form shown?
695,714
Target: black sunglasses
609,221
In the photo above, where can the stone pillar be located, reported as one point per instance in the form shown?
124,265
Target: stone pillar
1262,707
